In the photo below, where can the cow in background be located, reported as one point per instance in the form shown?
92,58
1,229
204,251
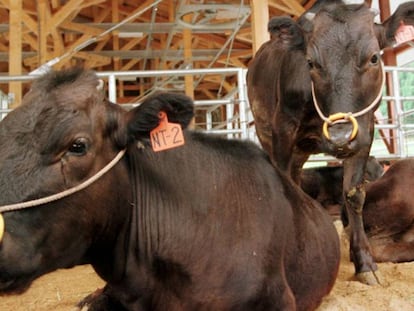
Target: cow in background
208,224
388,209
324,184
314,86
389,213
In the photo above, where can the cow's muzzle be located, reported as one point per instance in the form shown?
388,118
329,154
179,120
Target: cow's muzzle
340,117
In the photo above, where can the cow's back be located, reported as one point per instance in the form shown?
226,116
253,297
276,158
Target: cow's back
221,212
257,227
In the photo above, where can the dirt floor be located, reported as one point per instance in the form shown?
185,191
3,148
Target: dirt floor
61,290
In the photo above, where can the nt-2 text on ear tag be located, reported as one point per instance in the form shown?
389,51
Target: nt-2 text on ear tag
166,135
404,33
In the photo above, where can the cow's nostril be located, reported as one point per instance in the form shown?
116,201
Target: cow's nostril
340,134
340,126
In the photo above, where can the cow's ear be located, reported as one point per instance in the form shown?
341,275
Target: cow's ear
144,118
306,22
286,31
387,32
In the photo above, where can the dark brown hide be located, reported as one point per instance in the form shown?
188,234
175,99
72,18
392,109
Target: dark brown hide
388,210
339,52
210,225
389,213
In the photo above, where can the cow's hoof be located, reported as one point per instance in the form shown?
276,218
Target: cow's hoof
100,300
370,278
90,302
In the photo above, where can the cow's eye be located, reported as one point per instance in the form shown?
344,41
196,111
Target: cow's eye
79,147
310,63
313,64
375,59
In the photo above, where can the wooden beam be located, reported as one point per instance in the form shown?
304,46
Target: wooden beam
188,79
87,3
42,16
3,47
31,40
65,11
281,7
58,44
94,31
131,43
80,40
117,63
29,22
294,7
15,50
94,60
115,36
130,64
260,19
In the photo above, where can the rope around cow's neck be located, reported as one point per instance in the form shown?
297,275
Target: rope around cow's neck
348,116
60,195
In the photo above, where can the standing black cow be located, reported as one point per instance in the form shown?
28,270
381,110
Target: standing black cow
208,225
314,86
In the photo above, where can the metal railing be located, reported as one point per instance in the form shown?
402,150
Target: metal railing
230,116
233,123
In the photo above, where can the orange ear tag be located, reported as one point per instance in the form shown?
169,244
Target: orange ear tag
166,135
404,33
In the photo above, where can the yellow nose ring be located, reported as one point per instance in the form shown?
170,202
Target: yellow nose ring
337,117
1,227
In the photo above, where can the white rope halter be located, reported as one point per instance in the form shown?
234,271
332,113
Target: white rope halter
60,195
348,116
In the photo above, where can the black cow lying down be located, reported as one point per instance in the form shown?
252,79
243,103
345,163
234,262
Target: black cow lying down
388,210
389,213
209,225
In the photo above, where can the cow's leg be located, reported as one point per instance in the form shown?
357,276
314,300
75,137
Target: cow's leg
391,250
354,197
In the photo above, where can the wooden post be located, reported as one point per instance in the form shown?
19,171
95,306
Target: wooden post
115,45
260,19
188,79
15,49
115,37
43,31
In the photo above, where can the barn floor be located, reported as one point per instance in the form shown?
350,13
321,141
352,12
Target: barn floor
61,290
